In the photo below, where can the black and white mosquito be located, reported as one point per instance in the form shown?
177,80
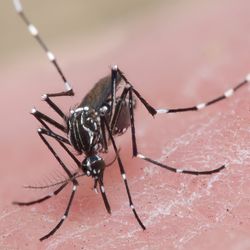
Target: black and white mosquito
91,127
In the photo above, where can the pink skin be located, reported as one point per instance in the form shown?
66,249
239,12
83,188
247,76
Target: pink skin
188,57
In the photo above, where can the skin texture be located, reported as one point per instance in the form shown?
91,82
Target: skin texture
179,56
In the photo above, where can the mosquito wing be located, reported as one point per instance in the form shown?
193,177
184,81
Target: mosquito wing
99,94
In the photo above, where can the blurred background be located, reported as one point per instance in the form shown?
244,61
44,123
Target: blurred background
60,20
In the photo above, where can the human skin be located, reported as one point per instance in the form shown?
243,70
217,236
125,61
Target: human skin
189,55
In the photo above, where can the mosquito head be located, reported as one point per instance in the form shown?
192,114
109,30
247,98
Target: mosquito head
93,166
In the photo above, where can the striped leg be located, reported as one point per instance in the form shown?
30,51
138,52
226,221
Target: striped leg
198,107
49,196
227,94
50,133
65,213
136,154
179,170
123,174
34,32
118,108
46,98
42,118
74,181
102,189
42,132
43,198
104,197
105,143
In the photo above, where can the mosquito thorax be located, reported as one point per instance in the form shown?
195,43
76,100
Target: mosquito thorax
93,166
84,130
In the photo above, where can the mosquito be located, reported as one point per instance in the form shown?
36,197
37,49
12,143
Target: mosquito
91,127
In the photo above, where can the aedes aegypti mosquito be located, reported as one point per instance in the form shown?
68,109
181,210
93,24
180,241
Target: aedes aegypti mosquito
91,127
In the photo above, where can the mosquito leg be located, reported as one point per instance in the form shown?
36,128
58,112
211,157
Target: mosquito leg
75,183
40,133
132,124
102,189
61,140
118,108
150,109
42,118
105,144
104,197
53,135
46,130
198,107
227,94
34,32
179,170
123,174
114,76
136,154
46,98
114,118
41,199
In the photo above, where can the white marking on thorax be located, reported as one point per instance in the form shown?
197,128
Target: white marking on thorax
78,110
